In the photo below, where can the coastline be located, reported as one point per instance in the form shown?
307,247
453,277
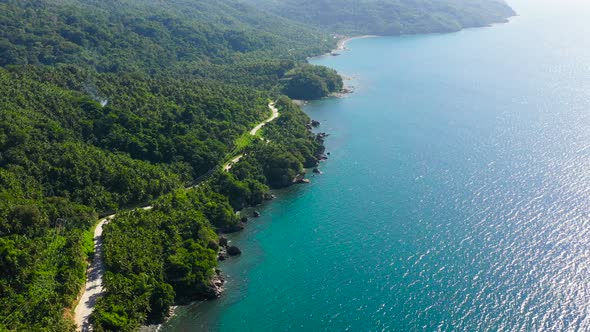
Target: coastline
218,281
343,40
93,287
205,312
341,46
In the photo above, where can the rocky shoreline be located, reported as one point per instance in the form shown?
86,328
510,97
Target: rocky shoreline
226,250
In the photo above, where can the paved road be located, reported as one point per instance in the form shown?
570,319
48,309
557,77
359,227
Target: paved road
229,165
254,131
93,289
275,114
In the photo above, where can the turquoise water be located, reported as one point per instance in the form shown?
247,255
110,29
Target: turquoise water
457,195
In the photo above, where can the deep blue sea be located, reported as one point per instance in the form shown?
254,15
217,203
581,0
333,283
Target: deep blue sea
456,197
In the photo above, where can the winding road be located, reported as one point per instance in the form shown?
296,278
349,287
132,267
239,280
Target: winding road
229,165
275,114
93,289
253,132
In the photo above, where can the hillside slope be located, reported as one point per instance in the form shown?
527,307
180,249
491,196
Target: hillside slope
113,35
390,17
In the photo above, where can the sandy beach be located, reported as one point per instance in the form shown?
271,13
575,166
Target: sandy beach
342,42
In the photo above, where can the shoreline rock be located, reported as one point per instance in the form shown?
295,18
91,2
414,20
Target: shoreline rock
216,288
222,255
233,228
343,93
300,179
234,251
320,137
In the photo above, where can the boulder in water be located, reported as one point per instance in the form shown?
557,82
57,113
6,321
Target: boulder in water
234,251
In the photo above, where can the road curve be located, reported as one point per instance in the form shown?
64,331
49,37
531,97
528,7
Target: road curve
253,132
275,114
229,165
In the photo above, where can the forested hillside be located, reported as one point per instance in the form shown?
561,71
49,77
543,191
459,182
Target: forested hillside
111,104
390,17
144,281
114,35
106,105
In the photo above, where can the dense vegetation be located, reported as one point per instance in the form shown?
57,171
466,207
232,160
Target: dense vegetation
64,156
311,82
390,17
154,257
43,244
178,264
125,35
107,105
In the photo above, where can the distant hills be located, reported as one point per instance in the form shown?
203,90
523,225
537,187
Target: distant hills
389,17
124,35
